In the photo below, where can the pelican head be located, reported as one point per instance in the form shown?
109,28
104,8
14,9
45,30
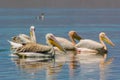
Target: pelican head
73,35
103,37
32,28
32,33
51,40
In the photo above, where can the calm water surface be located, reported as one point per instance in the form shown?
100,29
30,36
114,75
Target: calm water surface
87,22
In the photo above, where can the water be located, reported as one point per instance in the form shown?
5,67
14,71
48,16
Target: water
87,22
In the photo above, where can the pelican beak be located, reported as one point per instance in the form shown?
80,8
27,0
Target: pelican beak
54,42
31,34
107,40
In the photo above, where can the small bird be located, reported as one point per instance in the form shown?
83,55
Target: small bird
41,17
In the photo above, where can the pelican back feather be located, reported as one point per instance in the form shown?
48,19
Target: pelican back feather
33,47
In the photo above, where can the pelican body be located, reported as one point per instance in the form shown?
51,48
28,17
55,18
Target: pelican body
67,45
34,50
90,44
30,49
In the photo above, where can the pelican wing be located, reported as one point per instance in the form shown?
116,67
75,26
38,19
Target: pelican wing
21,38
16,39
90,44
15,45
33,47
24,38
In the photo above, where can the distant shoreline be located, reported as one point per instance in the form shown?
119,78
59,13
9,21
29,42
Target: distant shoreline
60,4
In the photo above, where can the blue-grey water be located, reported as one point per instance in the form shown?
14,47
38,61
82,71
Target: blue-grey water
87,22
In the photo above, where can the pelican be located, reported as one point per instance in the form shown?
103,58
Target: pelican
40,49
23,38
67,45
100,47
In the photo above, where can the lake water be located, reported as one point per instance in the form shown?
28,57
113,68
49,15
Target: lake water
87,22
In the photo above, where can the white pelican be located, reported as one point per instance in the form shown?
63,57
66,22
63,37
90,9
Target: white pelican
93,45
36,49
23,38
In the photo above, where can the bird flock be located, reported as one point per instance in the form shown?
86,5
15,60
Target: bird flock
24,45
